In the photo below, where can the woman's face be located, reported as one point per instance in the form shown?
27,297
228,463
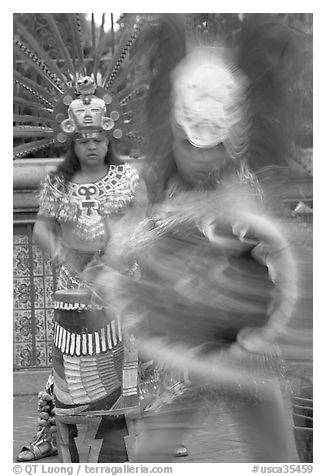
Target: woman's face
91,152
195,164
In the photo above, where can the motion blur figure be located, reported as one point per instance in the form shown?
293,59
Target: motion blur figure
220,270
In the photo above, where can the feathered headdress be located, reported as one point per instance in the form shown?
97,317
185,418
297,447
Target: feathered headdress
209,101
237,94
74,92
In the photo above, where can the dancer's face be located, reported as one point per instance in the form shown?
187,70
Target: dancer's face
91,152
195,164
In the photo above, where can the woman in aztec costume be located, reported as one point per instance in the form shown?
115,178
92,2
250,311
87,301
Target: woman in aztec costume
88,111
222,267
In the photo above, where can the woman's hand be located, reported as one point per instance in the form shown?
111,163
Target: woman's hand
257,339
47,236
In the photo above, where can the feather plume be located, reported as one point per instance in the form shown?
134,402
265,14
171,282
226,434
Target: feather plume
98,51
168,36
60,44
37,63
47,93
31,105
268,54
34,89
37,48
25,149
128,37
77,42
17,118
32,131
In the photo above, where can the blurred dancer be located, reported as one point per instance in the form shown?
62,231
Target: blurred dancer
219,272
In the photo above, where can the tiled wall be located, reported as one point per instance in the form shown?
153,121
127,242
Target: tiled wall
33,307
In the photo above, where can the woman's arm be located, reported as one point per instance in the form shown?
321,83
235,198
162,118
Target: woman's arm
46,235
275,252
47,231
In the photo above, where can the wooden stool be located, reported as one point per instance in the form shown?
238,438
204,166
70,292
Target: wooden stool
87,446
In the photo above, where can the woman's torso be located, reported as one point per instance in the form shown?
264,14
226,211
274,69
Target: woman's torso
82,209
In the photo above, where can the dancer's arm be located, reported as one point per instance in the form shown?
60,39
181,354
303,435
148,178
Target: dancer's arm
274,251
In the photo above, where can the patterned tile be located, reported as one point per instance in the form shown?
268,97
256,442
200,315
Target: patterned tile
37,261
22,293
48,269
40,327
42,261
21,261
40,358
20,239
48,281
49,323
39,292
22,355
22,325
49,354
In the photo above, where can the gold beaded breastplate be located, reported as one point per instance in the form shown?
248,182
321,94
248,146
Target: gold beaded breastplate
86,205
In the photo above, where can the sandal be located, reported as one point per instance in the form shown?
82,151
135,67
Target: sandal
181,451
39,448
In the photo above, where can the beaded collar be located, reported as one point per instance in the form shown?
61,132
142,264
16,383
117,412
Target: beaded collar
87,204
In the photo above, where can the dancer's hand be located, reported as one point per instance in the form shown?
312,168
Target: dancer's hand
257,339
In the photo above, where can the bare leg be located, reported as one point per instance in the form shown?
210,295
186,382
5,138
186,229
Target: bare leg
159,433
265,426
158,437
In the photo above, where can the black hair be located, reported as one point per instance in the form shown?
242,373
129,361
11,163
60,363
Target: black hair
269,56
70,164
170,48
